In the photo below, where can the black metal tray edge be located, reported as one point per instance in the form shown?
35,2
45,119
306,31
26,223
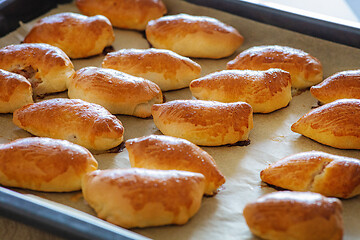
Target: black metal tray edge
14,11
316,26
21,208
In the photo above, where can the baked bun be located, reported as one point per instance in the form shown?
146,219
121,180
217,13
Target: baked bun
206,123
338,86
265,91
335,124
305,70
165,68
77,35
330,175
126,14
194,36
295,215
118,92
47,68
15,91
169,153
142,197
44,164
77,121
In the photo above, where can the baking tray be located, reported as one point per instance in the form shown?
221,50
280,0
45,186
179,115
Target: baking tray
14,11
79,226
313,24
19,207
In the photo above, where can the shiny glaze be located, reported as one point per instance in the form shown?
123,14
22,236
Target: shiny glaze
330,175
138,62
166,153
36,161
77,35
143,186
341,85
305,204
194,36
305,69
206,113
11,82
206,123
272,87
70,118
42,57
340,118
295,215
235,82
127,14
190,24
46,67
115,86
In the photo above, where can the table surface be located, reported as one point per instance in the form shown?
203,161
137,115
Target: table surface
342,9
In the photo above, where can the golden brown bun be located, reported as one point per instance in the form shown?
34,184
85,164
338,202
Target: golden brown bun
118,92
305,70
206,123
128,14
142,197
15,91
330,175
165,68
47,68
295,216
335,124
44,164
77,121
338,86
77,35
194,36
169,153
265,91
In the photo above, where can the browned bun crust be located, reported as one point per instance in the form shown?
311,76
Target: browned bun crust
295,215
335,124
206,123
87,124
15,91
327,174
305,70
44,164
46,67
77,35
341,85
118,92
194,36
142,198
169,153
165,68
266,91
126,14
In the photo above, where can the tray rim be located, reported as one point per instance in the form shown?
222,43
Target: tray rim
38,214
316,25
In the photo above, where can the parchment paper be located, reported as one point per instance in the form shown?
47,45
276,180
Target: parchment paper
220,217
